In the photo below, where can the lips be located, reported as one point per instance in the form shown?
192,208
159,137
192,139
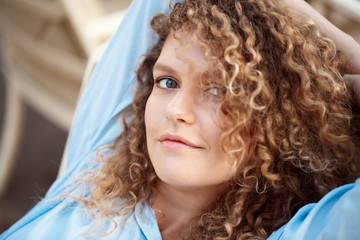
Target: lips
176,141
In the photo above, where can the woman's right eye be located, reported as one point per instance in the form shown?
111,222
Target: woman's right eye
167,83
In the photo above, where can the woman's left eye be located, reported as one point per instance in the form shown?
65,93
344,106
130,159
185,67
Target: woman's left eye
216,91
167,83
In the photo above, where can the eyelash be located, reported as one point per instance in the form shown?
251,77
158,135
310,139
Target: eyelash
220,91
159,80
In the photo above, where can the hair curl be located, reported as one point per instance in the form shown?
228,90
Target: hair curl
289,109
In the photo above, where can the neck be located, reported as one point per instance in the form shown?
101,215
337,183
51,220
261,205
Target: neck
176,207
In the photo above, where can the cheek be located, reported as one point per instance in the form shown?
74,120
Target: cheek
148,117
216,123
149,112
152,115
146,114
216,126
212,131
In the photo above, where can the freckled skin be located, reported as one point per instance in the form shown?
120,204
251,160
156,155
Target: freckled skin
175,107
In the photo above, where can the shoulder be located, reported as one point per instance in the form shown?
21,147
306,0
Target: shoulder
335,216
67,220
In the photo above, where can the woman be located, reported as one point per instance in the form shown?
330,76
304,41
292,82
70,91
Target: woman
241,117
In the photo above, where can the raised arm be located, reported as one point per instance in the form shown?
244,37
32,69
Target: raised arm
344,42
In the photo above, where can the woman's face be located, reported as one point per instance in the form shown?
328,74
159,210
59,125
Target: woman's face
183,120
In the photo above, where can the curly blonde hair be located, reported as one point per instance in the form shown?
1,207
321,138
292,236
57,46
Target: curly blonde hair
290,115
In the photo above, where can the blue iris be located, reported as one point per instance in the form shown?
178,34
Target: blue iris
171,83
167,83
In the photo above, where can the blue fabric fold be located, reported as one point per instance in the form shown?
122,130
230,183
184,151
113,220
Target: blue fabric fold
96,123
335,217
97,119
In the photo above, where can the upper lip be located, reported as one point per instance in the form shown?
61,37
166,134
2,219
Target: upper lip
177,138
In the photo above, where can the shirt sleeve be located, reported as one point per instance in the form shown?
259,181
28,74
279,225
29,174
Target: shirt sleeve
108,92
335,217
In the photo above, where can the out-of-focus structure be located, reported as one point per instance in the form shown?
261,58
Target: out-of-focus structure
345,14
45,46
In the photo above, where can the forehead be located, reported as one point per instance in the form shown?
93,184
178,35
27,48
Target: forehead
183,42
182,51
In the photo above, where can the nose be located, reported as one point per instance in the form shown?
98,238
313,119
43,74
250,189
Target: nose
181,107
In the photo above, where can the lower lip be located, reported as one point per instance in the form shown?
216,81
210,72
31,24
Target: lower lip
176,145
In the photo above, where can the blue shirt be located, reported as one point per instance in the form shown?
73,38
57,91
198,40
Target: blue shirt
66,220
335,216
96,123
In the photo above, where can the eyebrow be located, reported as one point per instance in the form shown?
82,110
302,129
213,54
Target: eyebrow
207,75
164,68
212,75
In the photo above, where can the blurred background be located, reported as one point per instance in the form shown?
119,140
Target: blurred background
44,49
48,49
